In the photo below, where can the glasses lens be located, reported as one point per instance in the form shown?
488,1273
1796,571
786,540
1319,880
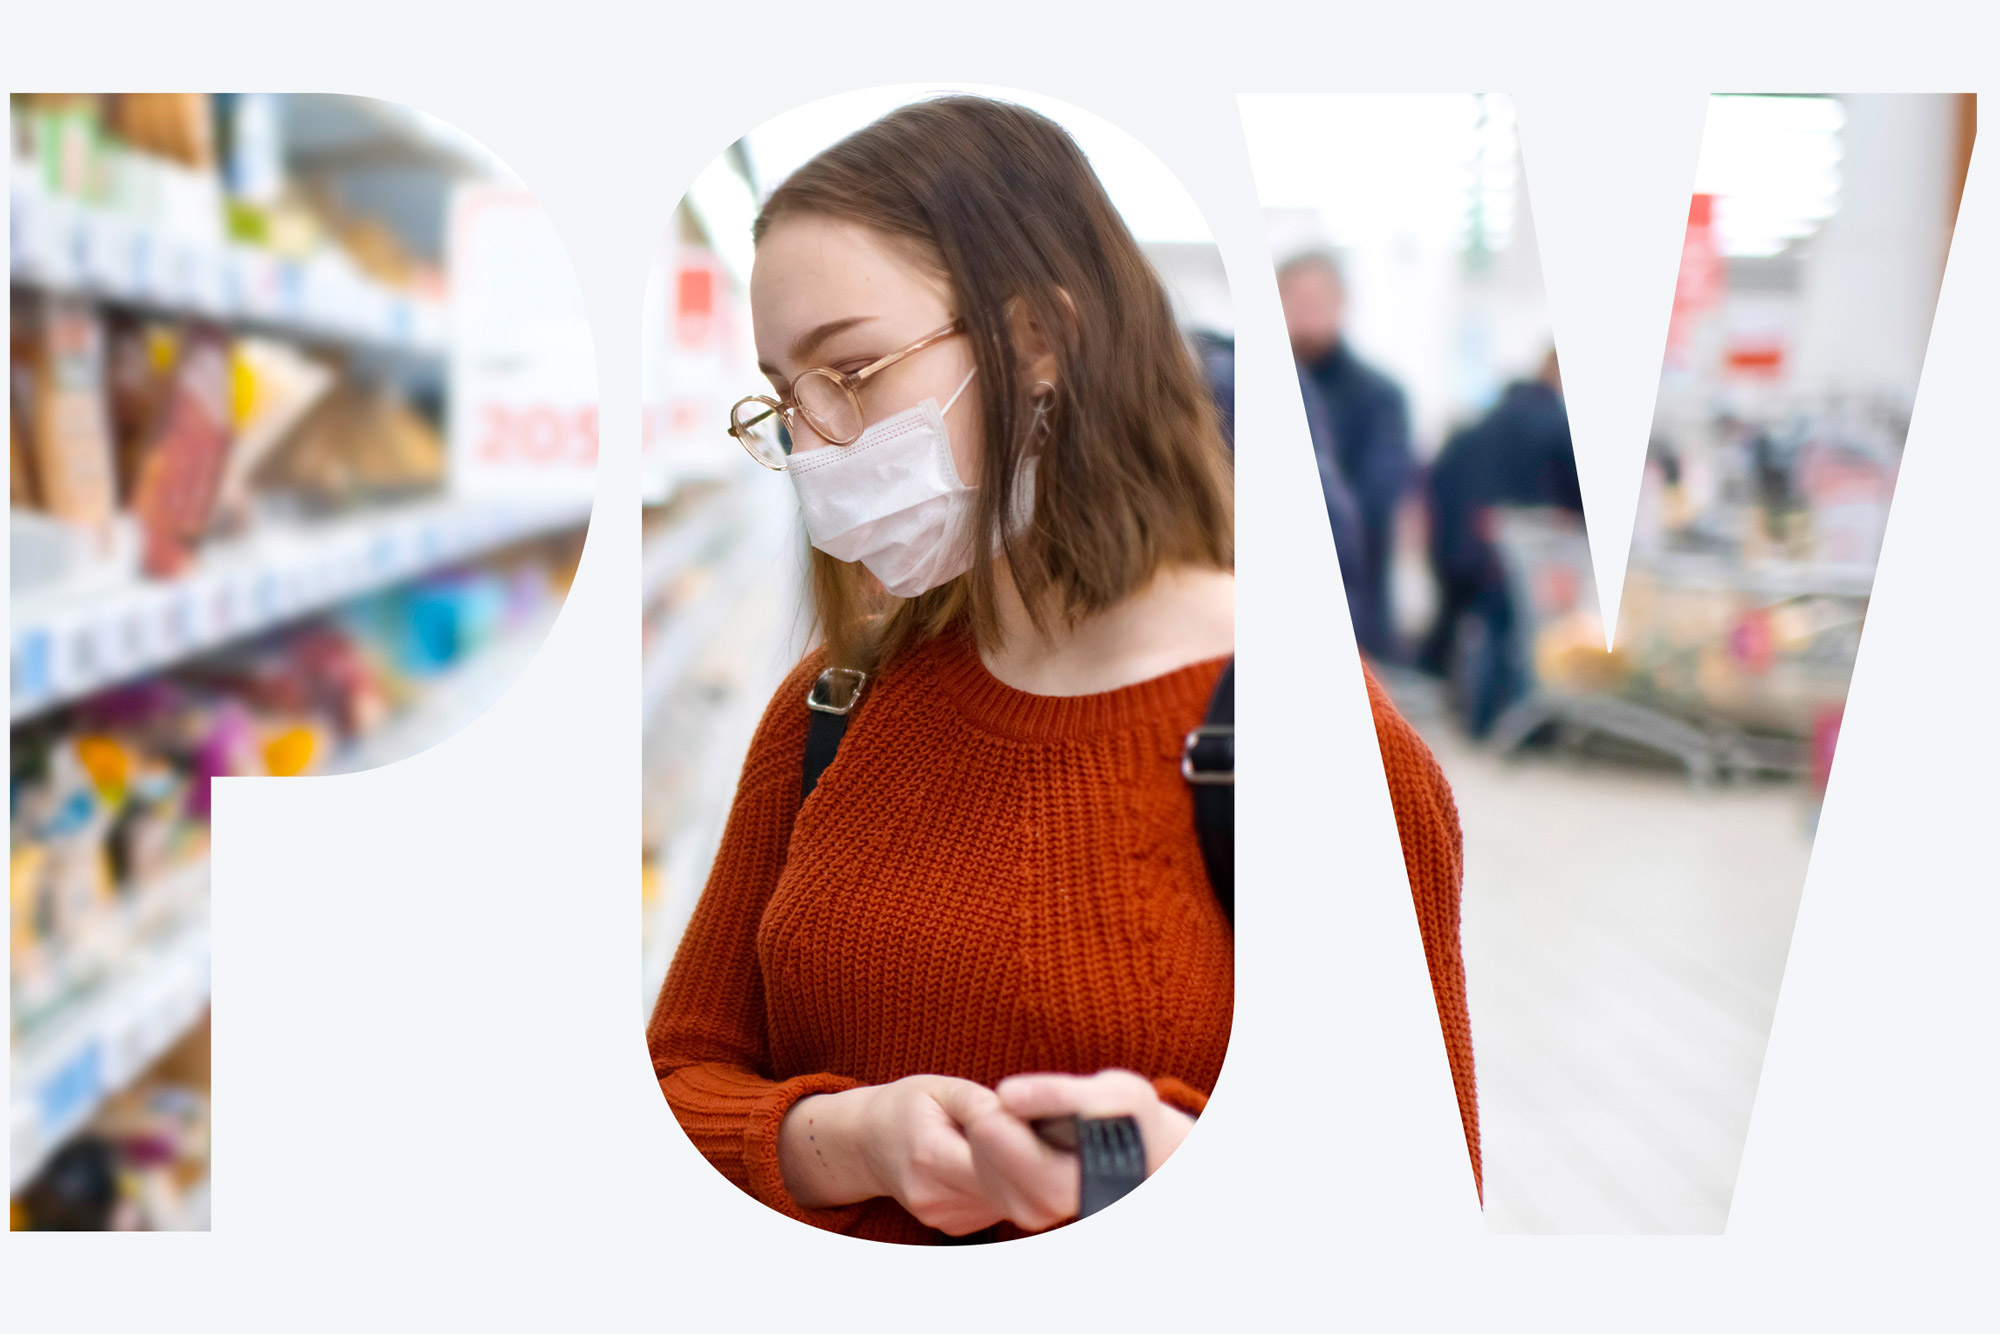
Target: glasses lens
828,408
756,424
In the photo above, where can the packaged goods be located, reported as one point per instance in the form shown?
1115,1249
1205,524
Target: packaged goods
139,365
21,491
183,466
74,473
275,387
177,126
360,442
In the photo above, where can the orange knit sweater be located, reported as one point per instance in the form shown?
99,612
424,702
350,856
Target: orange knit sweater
984,882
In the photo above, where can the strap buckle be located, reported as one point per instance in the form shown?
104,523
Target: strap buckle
1211,764
836,691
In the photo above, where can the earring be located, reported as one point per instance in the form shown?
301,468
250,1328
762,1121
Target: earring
1042,403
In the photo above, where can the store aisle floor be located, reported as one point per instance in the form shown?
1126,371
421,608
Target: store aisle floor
1624,940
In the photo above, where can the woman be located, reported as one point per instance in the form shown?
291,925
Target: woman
991,907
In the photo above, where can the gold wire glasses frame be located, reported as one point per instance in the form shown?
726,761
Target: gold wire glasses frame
828,400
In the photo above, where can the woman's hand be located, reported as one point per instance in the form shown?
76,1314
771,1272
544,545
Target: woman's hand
1035,1186
904,1139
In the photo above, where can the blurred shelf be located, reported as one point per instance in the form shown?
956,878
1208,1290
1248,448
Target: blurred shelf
1772,579
66,246
339,132
62,1070
68,641
666,467
691,628
684,857
453,698
696,740
679,546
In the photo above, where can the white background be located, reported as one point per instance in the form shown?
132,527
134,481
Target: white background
432,1106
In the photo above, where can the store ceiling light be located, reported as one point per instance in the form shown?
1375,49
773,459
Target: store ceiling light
1773,166
1381,168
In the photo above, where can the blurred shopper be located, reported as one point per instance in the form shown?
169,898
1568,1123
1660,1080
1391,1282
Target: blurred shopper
1369,441
1518,454
1218,366
991,906
1343,513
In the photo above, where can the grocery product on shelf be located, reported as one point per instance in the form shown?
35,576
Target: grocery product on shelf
110,797
360,444
240,547
140,1163
59,346
181,470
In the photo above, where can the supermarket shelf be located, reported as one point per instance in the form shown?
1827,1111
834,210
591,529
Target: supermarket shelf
67,246
667,468
693,627
67,642
1772,579
754,523
323,132
689,850
673,551
757,582
65,1068
453,698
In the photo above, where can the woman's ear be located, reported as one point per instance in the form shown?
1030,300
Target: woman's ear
1031,341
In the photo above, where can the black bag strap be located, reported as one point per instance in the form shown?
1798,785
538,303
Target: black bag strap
830,700
1208,763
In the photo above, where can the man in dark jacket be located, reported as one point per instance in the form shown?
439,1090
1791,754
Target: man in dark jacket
1370,445
1217,355
1518,454
1343,515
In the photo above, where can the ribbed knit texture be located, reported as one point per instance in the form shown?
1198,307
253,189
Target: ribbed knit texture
985,882
1434,857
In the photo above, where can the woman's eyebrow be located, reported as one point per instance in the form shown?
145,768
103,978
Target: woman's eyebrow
808,343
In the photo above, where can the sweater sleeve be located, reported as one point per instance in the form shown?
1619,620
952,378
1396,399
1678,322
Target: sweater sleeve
1181,1095
707,1035
1433,855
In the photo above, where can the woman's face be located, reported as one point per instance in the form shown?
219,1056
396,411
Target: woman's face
833,293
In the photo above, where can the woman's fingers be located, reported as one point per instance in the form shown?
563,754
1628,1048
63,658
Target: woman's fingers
943,1187
962,1100
1106,1093
1162,1127
1035,1186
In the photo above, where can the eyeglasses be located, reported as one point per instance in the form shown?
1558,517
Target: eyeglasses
827,399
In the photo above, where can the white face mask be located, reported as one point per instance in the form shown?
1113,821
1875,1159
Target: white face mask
893,500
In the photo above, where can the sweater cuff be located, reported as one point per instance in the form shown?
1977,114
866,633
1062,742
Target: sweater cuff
1184,1097
760,1151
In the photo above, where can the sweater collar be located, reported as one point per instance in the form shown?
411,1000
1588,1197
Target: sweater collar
953,663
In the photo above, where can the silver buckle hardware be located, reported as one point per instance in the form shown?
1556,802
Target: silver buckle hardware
837,690
1213,774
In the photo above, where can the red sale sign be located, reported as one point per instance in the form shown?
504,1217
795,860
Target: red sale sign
1700,283
523,370
698,360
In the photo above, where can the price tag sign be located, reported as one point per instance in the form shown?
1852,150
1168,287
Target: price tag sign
33,676
25,221
107,249
523,371
697,360
68,1094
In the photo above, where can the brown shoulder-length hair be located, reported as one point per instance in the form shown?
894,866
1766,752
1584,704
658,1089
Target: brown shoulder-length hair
1132,472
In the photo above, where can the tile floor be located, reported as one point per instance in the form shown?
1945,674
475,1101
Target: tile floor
1624,940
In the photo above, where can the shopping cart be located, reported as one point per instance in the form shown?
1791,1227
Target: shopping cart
1580,698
